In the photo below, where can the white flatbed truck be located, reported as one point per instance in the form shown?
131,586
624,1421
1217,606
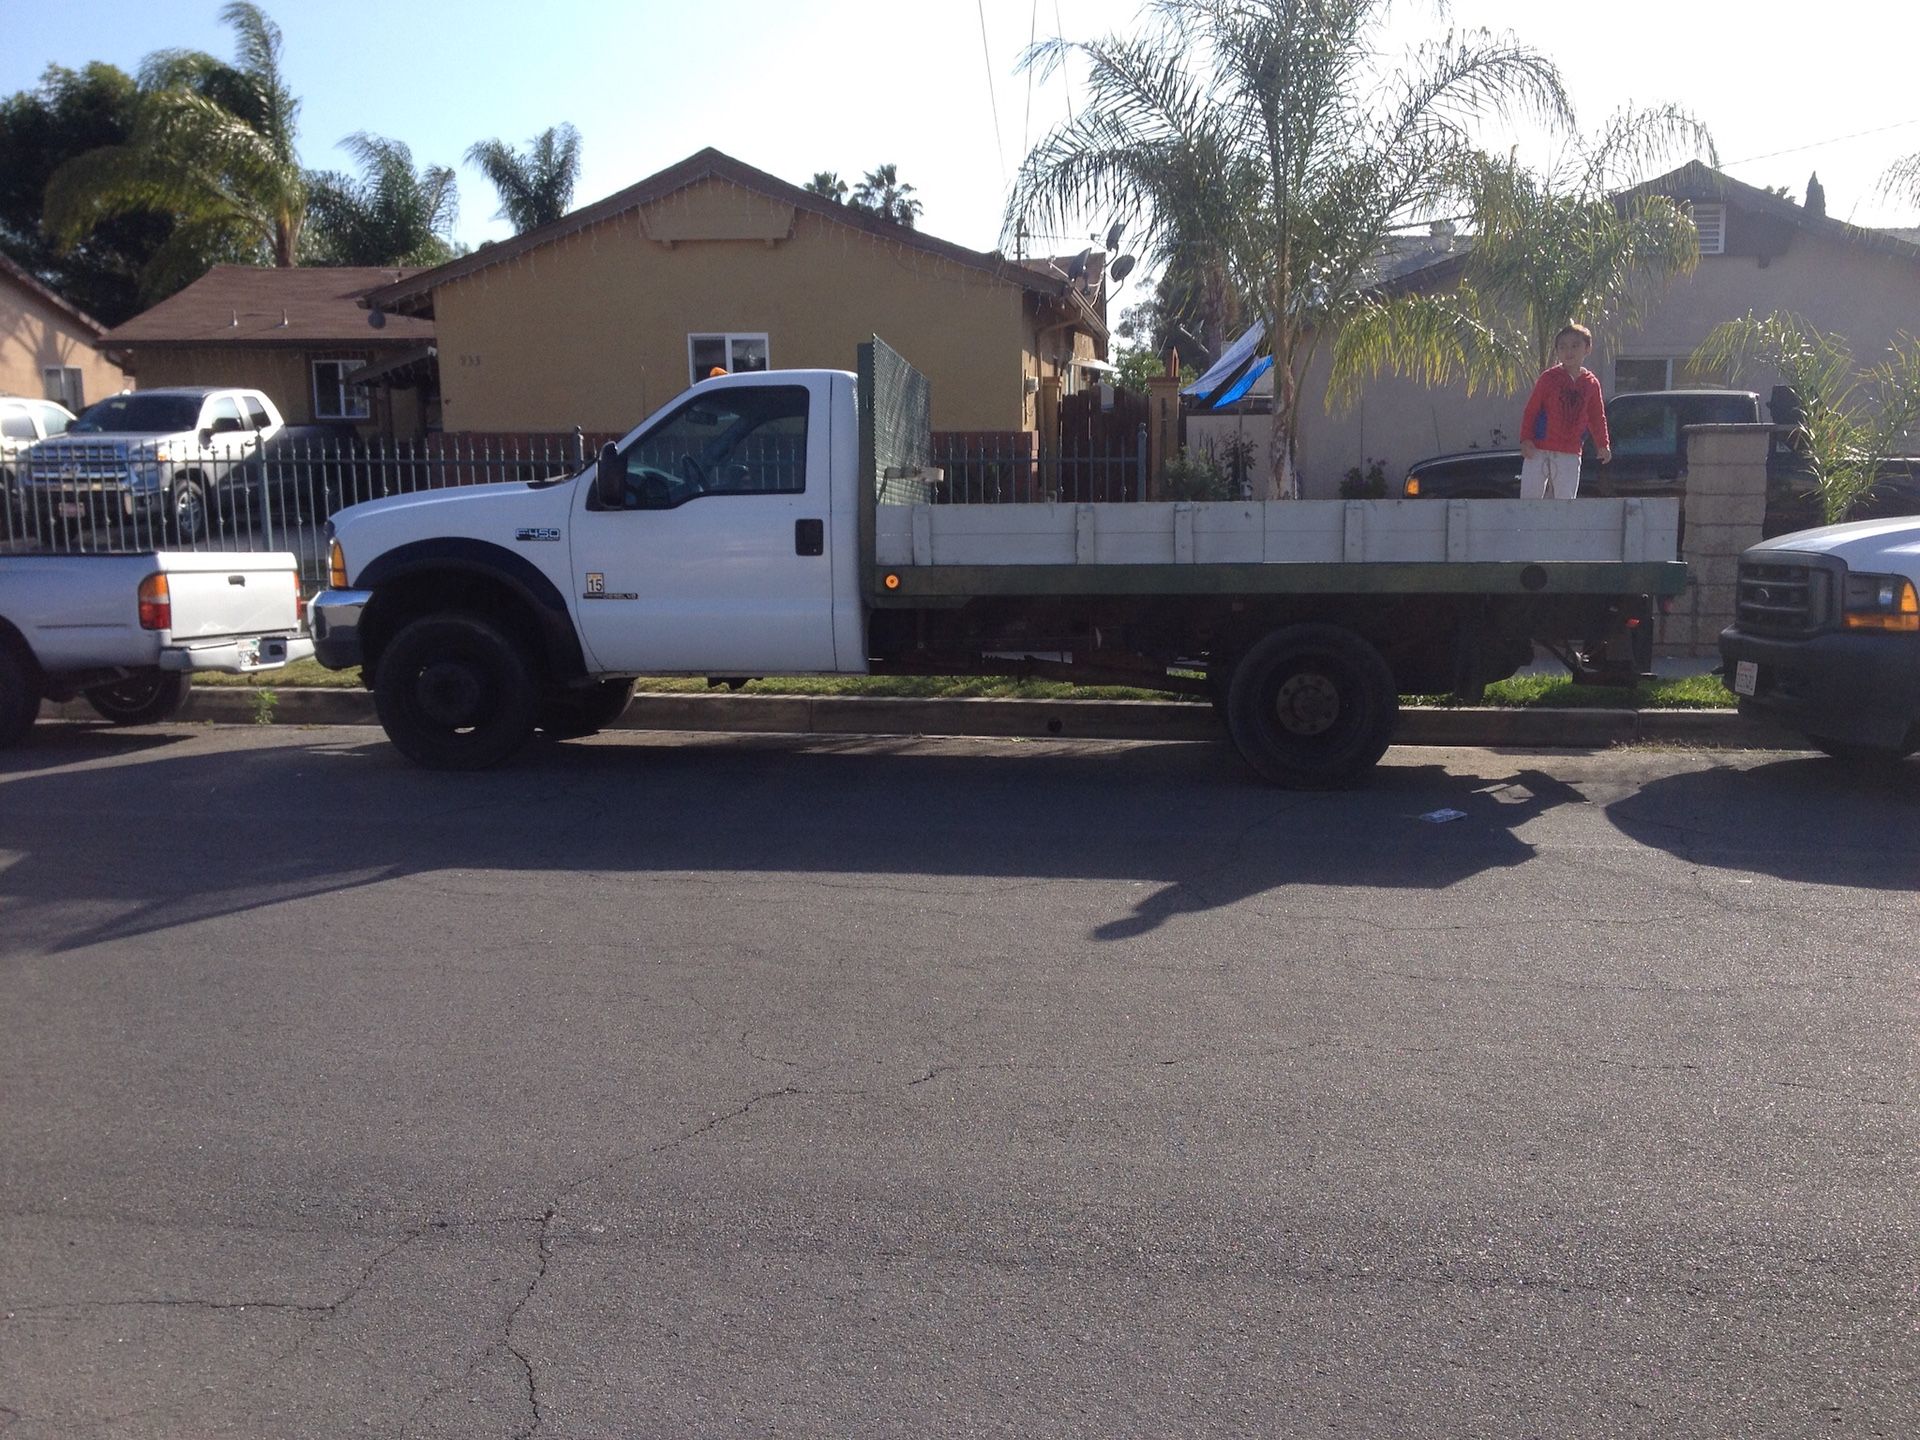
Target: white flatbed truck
787,522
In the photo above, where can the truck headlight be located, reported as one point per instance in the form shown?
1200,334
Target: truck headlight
1881,602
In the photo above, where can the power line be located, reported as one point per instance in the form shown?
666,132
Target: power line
1818,144
1033,34
993,100
1065,84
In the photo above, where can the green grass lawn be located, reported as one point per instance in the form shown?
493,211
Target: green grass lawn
1696,692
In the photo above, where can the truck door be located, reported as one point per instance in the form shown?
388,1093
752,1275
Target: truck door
719,562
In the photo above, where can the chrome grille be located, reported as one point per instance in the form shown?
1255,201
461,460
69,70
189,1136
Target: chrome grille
1784,597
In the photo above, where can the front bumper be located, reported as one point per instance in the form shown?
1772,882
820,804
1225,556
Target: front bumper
334,616
1860,688
238,657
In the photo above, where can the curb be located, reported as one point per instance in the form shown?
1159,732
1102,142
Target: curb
1489,726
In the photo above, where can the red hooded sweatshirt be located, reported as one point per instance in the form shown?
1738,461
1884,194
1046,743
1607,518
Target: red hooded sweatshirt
1562,408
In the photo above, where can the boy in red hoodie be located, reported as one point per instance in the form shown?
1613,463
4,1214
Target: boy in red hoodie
1565,405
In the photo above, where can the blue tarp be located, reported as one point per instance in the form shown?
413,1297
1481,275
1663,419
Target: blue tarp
1244,383
1231,360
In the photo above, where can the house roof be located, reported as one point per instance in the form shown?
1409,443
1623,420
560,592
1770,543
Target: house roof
23,278
1693,181
250,305
413,294
1698,181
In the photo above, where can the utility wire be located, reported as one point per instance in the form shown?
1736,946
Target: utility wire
1817,144
1065,84
993,100
1033,34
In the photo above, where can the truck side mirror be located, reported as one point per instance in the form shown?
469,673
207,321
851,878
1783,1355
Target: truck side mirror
610,479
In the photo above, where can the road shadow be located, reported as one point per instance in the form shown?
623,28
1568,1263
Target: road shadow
251,827
1807,819
49,747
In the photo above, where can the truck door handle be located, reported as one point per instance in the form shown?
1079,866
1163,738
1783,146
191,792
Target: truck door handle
809,537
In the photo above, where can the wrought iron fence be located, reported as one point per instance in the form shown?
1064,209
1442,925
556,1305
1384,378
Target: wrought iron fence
108,497
1008,469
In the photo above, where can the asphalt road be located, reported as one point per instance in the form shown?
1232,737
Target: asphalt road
689,1086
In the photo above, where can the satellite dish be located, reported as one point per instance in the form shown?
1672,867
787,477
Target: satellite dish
1113,235
1078,267
377,319
1122,267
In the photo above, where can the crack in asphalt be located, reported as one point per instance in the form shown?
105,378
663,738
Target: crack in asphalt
544,1242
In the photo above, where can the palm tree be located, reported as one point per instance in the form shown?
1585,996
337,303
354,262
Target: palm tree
390,216
1902,179
536,188
881,194
1576,243
1853,420
828,185
212,145
1267,132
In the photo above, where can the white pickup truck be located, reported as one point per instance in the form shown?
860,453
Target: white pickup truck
1826,637
787,522
124,631
149,465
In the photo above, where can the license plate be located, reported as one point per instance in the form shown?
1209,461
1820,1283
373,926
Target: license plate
71,510
1746,677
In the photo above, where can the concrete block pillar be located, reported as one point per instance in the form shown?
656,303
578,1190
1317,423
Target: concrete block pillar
1163,428
1722,514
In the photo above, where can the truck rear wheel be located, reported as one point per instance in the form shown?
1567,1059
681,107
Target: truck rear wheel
576,714
142,698
455,692
19,694
1312,707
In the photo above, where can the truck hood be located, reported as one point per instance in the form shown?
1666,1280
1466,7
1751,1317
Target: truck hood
1892,544
515,515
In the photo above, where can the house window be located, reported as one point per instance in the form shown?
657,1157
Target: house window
1711,222
335,397
737,354
62,384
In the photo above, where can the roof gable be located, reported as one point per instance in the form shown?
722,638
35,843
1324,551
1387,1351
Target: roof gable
23,280
696,202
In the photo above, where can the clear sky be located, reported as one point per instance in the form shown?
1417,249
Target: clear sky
795,86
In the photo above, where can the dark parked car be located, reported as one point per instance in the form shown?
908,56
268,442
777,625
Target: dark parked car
1650,458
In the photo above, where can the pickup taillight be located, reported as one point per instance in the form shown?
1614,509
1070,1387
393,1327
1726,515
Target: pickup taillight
156,604
299,601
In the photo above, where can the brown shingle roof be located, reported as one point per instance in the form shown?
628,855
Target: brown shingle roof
248,305
23,278
413,294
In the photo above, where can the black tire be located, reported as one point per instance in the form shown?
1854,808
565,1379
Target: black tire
1864,757
1312,707
455,692
188,518
577,714
19,695
142,698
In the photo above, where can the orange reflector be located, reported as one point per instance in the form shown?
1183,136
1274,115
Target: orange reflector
892,582
156,604
336,566
1412,489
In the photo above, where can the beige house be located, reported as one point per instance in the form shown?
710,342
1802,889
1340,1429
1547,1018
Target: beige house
604,315
48,349
300,335
1759,253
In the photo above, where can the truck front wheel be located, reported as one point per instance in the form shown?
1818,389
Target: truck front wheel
577,714
142,698
455,692
1312,707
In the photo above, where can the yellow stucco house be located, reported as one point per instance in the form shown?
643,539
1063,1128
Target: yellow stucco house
48,349
604,315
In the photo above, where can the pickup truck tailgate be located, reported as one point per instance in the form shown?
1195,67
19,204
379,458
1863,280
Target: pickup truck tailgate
235,593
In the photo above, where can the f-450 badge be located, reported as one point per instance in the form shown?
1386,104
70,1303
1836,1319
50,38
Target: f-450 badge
538,533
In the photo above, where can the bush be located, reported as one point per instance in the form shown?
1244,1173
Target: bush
1370,486
1192,476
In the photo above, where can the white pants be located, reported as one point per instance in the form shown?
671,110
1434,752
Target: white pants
1550,475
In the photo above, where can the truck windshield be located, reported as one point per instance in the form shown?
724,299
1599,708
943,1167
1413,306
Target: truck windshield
139,415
